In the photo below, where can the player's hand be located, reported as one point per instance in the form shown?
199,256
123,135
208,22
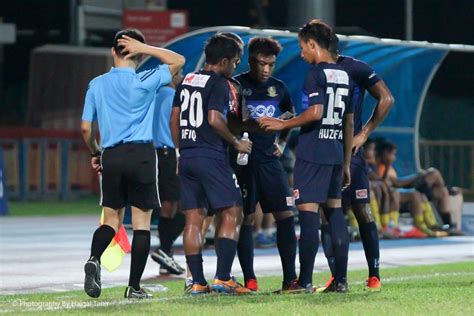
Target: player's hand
132,47
271,124
346,181
358,141
243,146
277,151
95,163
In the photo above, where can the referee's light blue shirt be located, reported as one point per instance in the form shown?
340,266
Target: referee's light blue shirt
161,121
123,103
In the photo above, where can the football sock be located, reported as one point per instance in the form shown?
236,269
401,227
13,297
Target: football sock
370,241
308,245
164,232
385,220
428,215
286,243
225,250
340,241
140,250
447,219
394,216
101,240
326,241
195,266
245,251
352,219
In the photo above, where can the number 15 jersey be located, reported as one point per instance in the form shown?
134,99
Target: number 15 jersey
199,92
321,141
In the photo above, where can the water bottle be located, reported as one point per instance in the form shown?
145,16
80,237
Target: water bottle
243,158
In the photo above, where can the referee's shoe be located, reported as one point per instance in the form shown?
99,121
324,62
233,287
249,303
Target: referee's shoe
92,284
166,262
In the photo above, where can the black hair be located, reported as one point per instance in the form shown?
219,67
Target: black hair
368,142
318,31
334,44
384,146
133,33
219,47
264,45
233,36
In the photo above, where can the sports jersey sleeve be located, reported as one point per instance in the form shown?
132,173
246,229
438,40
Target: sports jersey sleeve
219,96
90,110
365,75
314,86
286,103
154,78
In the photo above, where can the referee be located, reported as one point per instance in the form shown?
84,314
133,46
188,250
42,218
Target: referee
171,220
122,102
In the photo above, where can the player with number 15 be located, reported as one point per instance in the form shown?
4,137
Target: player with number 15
323,153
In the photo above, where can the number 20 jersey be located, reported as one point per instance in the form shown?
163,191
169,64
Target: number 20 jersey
321,141
199,92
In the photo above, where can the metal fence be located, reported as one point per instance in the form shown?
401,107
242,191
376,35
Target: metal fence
454,159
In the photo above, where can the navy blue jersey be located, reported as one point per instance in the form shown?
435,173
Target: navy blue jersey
321,141
199,92
364,77
270,98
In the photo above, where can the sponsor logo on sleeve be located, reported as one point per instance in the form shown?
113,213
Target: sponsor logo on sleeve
290,201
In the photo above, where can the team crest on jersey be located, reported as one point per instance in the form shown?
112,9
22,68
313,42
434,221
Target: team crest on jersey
296,194
247,92
361,194
272,92
196,80
290,201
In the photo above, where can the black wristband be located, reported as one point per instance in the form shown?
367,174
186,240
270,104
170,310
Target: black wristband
96,154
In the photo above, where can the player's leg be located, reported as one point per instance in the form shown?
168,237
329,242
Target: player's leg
311,188
113,196
192,237
170,220
412,201
338,227
326,241
277,198
245,250
360,199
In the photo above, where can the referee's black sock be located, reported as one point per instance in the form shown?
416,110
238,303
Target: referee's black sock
326,241
370,241
194,263
245,251
102,238
225,249
286,243
140,250
308,245
164,232
340,240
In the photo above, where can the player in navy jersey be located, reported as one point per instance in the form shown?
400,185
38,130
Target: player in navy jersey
323,152
199,129
264,181
357,195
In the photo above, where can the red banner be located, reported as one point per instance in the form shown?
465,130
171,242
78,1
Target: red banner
158,27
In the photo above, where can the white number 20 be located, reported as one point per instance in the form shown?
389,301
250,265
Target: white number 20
335,101
192,102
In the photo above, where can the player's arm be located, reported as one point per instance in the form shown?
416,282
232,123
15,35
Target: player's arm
166,56
311,114
218,122
348,132
379,90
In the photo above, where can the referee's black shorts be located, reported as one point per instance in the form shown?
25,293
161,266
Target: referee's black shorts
130,176
168,181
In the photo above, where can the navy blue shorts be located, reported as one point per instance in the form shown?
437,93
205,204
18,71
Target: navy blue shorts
316,183
266,183
359,190
207,183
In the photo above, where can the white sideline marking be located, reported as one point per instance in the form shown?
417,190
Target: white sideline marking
56,306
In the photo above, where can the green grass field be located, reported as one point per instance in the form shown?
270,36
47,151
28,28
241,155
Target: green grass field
83,206
424,290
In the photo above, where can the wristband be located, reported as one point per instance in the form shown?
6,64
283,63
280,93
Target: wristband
176,150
